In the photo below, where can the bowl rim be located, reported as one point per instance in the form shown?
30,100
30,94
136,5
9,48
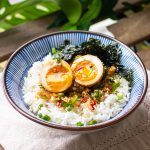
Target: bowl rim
66,127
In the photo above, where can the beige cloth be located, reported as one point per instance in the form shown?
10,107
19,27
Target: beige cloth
19,133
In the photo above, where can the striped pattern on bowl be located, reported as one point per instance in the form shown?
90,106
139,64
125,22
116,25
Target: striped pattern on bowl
35,50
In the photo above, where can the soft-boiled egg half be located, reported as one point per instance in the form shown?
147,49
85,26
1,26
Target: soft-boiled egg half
56,77
87,70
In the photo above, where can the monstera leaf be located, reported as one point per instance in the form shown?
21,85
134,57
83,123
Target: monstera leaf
72,15
72,9
12,15
94,8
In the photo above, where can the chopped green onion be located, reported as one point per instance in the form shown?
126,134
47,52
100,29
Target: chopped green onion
64,104
78,56
120,96
60,95
53,51
69,108
46,118
92,122
40,115
57,56
69,105
96,93
74,99
115,85
41,86
79,124
40,106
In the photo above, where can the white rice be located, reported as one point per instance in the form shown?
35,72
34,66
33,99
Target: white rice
103,111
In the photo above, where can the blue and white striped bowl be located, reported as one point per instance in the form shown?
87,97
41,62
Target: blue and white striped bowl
35,50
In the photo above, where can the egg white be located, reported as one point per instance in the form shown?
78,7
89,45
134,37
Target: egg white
65,83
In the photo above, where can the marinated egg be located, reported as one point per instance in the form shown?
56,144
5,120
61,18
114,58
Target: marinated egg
56,77
87,70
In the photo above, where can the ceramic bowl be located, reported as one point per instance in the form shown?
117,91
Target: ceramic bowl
36,49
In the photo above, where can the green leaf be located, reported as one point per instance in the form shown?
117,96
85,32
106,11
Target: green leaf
107,8
12,15
84,26
4,3
58,21
72,9
69,26
93,11
85,4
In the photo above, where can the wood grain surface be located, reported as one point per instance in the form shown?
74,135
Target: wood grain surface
133,29
13,39
120,7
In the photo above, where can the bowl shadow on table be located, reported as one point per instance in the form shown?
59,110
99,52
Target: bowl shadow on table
110,137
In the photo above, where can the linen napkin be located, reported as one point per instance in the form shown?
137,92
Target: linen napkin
19,133
101,27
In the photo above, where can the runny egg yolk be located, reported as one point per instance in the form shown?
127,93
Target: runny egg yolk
57,78
85,71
